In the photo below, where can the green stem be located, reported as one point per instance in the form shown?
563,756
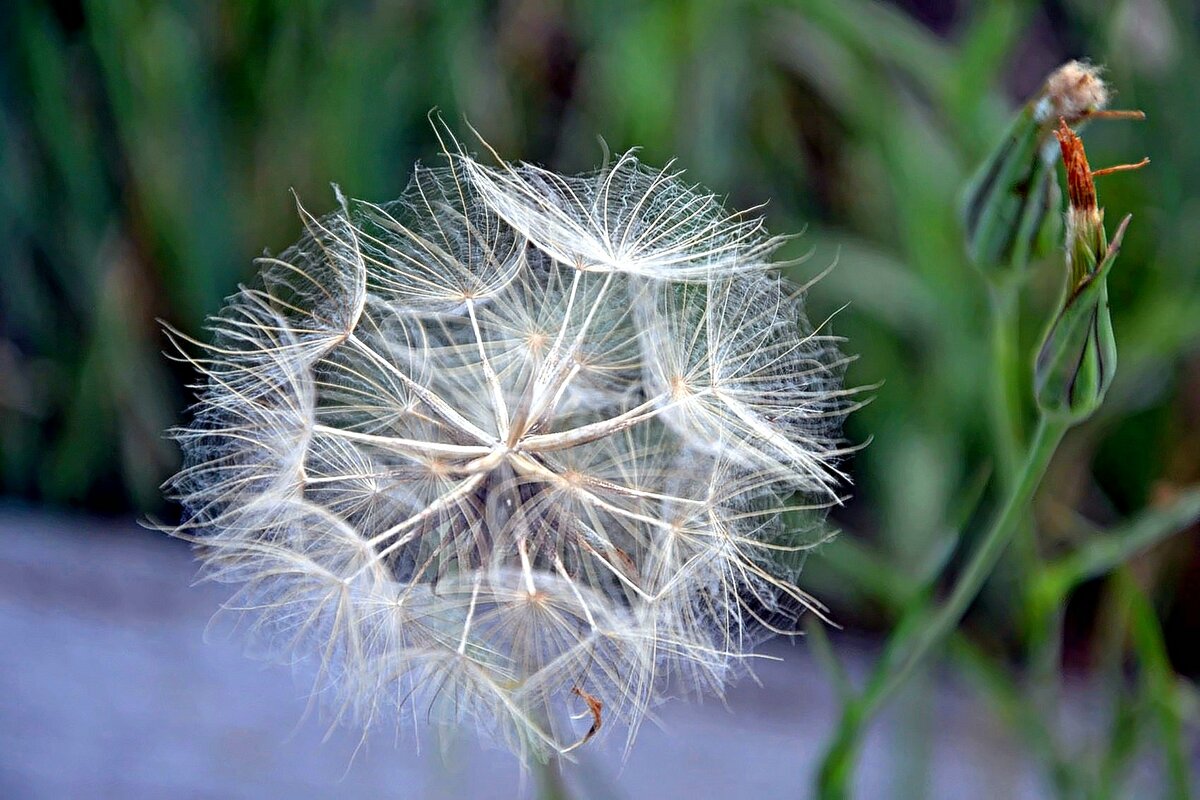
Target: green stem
1007,427
920,630
1104,552
1044,686
551,785
1033,725
1158,684
1041,450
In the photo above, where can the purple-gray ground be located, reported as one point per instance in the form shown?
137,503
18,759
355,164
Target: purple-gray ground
108,689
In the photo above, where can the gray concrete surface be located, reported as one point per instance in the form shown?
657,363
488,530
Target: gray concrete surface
108,689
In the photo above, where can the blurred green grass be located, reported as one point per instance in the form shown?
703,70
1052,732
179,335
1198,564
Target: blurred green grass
147,150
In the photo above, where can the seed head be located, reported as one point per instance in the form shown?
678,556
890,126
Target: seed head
1072,91
517,448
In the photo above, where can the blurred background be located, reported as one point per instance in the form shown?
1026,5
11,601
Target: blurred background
147,150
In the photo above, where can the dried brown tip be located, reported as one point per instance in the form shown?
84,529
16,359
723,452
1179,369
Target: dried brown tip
1080,188
596,708
1096,173
1116,114
1072,91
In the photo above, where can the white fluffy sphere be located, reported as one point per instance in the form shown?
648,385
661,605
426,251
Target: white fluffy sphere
516,448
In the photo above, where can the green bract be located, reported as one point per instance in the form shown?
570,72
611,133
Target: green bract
1078,356
1009,209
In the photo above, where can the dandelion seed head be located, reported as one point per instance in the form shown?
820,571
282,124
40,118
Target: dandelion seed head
517,449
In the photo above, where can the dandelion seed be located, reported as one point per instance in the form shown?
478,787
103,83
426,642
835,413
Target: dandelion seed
512,442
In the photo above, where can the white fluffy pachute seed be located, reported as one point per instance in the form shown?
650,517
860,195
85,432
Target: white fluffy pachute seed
516,448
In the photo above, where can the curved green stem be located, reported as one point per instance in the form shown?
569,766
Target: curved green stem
1007,427
1006,422
922,629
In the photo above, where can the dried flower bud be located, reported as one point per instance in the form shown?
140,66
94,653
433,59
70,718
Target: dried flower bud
1078,357
1086,239
1010,208
515,449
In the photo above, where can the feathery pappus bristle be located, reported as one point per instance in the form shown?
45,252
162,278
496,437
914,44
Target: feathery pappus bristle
1072,91
517,449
